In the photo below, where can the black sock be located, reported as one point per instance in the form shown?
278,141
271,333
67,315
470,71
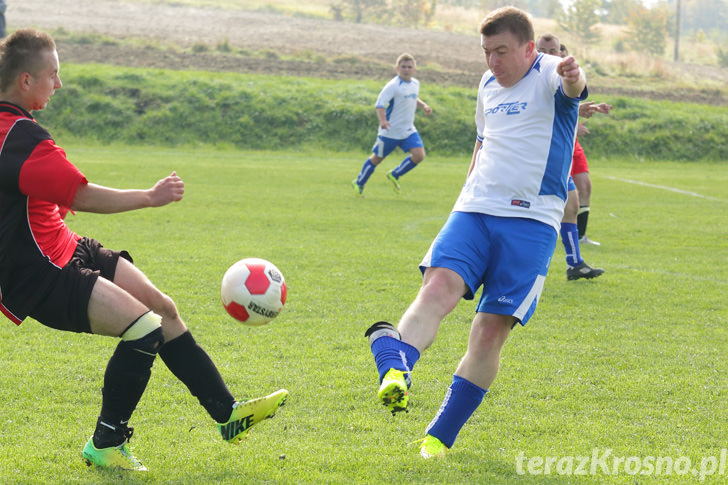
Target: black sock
107,435
582,219
190,364
125,379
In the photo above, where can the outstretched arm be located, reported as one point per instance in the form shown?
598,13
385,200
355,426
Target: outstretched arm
573,78
107,200
588,108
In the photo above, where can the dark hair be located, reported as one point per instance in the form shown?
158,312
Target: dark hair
19,53
509,19
549,37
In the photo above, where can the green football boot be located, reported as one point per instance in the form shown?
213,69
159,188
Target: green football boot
248,413
394,180
111,457
432,448
393,391
358,189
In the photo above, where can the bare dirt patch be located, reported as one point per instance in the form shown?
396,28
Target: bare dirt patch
170,31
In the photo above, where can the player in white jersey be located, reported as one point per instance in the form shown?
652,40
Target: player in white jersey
502,232
395,107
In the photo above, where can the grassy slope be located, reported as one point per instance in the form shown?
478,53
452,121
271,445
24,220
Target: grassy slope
153,106
630,362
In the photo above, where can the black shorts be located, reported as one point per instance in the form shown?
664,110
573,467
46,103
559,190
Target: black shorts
66,306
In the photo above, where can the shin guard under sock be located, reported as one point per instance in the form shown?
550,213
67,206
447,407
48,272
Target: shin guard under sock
190,364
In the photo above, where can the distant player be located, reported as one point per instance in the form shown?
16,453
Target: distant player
580,170
577,268
73,283
395,107
502,231
580,167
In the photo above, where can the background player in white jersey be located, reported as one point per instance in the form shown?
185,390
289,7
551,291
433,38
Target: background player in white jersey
576,266
503,229
395,107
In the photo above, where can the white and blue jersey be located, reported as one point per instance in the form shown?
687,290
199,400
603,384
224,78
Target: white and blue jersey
399,99
529,181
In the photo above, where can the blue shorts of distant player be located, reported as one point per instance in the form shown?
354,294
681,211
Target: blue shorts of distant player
384,146
508,256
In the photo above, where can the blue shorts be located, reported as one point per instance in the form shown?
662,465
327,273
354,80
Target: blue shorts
508,256
384,146
570,185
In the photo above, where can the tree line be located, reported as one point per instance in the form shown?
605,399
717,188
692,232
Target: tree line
648,28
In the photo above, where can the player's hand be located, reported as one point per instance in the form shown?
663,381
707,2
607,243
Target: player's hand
385,125
588,108
428,110
169,189
603,108
581,129
568,69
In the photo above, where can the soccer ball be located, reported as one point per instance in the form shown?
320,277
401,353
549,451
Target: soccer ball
253,291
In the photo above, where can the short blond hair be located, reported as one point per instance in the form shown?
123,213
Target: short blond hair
405,57
21,52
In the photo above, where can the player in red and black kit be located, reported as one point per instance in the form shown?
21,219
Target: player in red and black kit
74,284
576,268
580,169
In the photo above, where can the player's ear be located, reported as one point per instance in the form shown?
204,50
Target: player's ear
24,80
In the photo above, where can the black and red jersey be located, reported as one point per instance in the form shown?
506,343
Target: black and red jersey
37,187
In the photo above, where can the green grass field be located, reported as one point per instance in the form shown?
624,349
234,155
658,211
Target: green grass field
633,362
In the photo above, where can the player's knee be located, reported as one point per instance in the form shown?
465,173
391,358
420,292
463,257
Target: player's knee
443,289
165,306
490,332
145,334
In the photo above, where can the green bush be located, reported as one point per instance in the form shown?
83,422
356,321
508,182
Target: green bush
660,130
152,106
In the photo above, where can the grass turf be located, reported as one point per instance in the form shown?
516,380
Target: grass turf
633,362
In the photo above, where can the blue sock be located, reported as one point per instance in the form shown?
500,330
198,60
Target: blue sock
391,353
570,238
462,399
366,171
404,167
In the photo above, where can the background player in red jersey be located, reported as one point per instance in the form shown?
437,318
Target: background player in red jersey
577,268
580,169
72,283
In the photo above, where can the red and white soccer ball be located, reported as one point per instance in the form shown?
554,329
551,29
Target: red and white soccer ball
253,291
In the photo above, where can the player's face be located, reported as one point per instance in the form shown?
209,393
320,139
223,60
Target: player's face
508,60
44,81
406,70
551,47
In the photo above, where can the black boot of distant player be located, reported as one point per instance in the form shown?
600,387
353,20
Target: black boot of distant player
583,270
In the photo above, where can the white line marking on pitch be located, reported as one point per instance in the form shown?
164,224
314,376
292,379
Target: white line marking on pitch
695,277
663,187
